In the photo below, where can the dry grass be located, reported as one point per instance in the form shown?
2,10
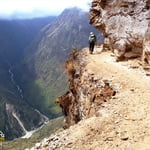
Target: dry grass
71,63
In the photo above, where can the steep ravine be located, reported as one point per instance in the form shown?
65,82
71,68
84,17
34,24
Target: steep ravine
27,134
15,37
14,83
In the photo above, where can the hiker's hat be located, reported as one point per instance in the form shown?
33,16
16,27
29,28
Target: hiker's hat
92,34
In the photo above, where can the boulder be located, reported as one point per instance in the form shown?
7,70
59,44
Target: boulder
125,23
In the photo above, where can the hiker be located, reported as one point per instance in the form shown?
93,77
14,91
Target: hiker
92,41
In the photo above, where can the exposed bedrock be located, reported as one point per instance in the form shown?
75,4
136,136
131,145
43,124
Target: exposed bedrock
125,25
86,93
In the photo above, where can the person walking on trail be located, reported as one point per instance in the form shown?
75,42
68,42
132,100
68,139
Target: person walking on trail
92,41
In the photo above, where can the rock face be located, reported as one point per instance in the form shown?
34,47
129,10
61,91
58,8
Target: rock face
124,24
86,91
146,47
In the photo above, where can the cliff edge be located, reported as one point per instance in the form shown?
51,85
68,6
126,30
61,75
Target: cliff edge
107,104
108,101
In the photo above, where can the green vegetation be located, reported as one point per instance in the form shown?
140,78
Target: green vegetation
46,131
41,90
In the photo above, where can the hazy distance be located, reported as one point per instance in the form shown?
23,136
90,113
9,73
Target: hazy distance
21,9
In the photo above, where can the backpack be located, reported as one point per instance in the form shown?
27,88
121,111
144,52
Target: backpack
91,39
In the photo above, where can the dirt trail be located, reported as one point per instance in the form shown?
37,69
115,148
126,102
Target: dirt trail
123,123
132,102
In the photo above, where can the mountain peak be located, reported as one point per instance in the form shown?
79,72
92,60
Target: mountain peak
72,10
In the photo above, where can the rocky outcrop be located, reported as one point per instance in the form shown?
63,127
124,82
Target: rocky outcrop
86,91
146,47
124,24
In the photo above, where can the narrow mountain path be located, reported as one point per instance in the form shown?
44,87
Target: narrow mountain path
132,100
123,122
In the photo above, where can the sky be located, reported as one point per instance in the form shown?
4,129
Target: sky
37,8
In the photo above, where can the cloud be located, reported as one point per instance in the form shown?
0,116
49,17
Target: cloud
35,8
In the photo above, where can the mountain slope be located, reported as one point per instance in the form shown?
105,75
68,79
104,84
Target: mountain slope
15,36
45,59
117,122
